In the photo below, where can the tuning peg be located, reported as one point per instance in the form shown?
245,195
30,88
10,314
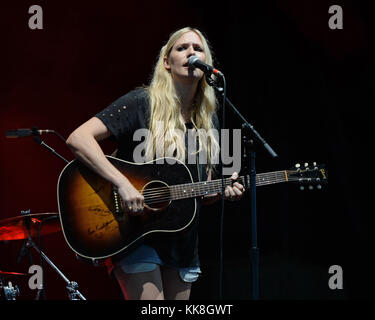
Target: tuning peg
314,164
306,164
301,188
311,187
297,166
319,187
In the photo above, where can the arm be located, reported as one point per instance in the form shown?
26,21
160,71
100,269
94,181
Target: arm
84,144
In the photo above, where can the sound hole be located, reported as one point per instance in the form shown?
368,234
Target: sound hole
157,195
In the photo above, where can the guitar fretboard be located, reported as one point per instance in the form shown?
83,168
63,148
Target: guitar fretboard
198,189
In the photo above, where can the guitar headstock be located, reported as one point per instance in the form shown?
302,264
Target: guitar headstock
309,175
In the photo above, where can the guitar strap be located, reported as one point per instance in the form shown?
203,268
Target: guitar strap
199,170
200,167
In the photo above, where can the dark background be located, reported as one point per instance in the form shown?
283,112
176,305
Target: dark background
306,88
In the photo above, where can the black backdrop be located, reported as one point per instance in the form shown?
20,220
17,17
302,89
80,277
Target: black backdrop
306,88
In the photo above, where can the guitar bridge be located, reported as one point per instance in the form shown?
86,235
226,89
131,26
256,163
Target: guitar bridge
119,209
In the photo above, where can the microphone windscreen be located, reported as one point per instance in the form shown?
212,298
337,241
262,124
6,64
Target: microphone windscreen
192,60
11,134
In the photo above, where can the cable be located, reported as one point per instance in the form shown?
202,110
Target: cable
221,226
59,135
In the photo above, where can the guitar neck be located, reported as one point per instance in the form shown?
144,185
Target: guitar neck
203,188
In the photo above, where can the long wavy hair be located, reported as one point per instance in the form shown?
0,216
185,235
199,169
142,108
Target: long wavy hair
167,125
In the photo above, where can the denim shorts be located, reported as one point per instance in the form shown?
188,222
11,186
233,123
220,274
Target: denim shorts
145,259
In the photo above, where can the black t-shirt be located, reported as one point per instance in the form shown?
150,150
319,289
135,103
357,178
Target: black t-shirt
123,117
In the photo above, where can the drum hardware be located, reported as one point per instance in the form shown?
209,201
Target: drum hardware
15,228
28,226
10,292
72,286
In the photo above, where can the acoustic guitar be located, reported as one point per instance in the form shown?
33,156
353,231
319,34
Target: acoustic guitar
93,219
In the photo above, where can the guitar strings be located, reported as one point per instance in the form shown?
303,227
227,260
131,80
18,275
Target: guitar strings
212,182
168,196
201,186
150,200
266,178
182,191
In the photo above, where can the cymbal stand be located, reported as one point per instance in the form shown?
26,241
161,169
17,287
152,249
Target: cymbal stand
72,286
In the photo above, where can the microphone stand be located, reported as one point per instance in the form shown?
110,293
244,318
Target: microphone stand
249,153
43,144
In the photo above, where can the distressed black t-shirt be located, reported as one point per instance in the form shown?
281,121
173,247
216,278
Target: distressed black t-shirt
123,117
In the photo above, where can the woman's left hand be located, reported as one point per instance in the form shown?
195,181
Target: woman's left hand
236,191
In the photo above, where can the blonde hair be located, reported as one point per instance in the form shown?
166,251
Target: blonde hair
166,109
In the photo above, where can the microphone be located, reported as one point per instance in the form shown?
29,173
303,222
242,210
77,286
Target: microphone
18,133
194,61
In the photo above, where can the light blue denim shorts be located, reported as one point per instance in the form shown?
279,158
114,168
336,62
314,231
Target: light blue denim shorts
145,259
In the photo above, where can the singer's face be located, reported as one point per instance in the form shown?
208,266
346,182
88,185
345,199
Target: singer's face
177,62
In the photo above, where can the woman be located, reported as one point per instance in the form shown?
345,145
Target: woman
178,97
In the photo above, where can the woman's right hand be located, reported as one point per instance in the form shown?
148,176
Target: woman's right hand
132,200
84,144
